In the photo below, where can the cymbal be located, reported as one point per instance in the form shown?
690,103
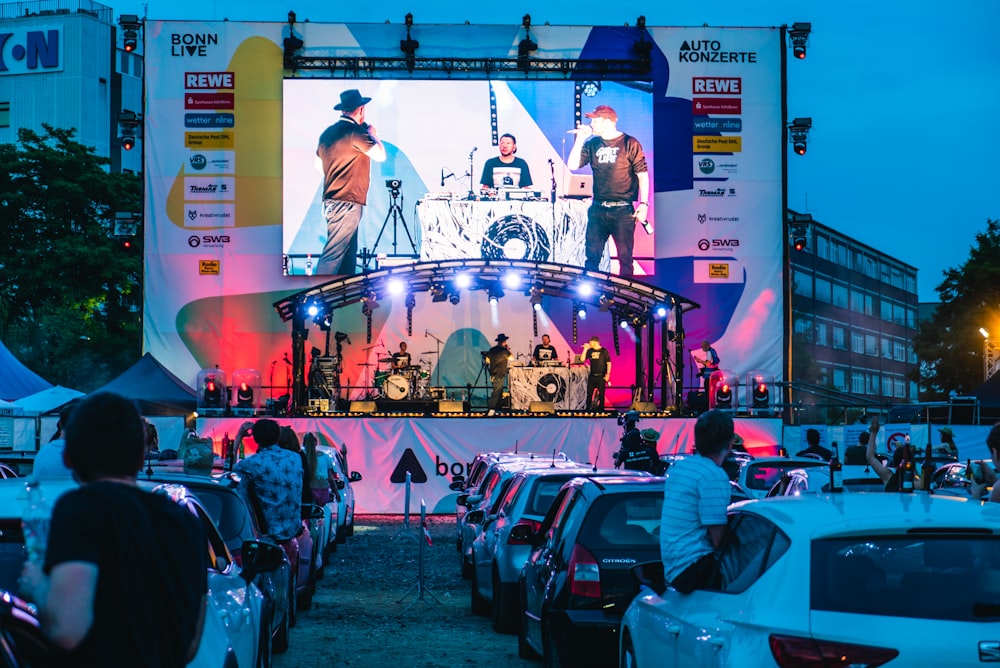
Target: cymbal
366,364
385,360
429,352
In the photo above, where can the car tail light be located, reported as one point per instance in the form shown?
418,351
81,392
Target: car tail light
584,574
535,526
798,652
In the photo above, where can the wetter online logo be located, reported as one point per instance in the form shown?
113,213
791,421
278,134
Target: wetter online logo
706,165
198,162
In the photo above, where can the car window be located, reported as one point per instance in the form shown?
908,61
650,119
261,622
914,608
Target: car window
559,514
507,498
752,546
542,494
500,495
631,519
228,512
954,576
219,557
762,476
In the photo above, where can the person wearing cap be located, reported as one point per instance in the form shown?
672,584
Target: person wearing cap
506,170
497,360
948,446
631,451
621,179
599,360
344,155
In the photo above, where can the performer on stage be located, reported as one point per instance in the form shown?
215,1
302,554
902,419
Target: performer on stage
497,359
506,171
401,360
600,372
620,178
345,153
544,351
708,362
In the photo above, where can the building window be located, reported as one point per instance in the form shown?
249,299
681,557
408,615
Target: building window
857,382
822,290
857,301
897,278
885,310
802,283
911,318
873,385
840,295
821,336
887,347
898,314
899,351
871,345
871,267
839,340
910,282
840,380
869,305
899,385
913,389
822,247
802,326
858,343
4,114
884,272
887,386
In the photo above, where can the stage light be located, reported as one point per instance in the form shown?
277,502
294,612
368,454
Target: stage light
463,281
512,280
799,35
437,292
591,88
525,46
454,298
623,323
605,303
244,396
723,395
799,225
799,241
580,310
798,134
312,310
495,292
761,394
212,394
411,300
130,25
395,287
409,45
291,44
585,289
129,128
661,311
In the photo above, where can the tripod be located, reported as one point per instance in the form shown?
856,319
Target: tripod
395,214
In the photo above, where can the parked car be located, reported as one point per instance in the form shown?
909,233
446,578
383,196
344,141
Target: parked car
835,579
342,492
757,476
497,558
7,471
22,642
856,478
576,583
488,491
233,517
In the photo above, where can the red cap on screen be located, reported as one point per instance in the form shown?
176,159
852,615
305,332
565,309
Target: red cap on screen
604,111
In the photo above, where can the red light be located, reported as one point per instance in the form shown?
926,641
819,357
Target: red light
128,143
583,573
243,386
127,244
129,47
761,387
796,652
724,387
210,386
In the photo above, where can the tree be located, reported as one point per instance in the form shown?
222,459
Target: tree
949,346
70,293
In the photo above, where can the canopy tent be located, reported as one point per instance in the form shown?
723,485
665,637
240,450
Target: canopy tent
48,401
157,390
17,380
8,409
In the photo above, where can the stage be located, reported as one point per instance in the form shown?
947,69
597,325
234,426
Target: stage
434,447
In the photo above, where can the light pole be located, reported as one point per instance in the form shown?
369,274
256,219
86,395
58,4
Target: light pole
990,350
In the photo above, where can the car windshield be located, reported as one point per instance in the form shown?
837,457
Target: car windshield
762,476
946,576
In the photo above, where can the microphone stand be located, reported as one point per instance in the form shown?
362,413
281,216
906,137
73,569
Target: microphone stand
437,371
472,194
552,170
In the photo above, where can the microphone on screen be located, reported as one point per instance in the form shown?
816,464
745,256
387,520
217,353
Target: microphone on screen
442,178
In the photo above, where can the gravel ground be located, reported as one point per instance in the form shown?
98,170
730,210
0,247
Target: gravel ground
365,614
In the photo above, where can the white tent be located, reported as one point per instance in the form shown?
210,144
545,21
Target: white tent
46,401
8,409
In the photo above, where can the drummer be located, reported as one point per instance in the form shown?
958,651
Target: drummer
401,360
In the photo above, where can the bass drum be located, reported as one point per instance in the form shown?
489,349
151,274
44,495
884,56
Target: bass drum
396,386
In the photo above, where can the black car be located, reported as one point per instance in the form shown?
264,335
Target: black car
577,581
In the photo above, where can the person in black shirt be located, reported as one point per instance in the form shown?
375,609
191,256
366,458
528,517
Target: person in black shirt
497,359
544,351
402,359
620,178
600,372
507,170
813,447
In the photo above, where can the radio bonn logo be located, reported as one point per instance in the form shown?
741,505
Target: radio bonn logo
706,165
705,244
198,161
194,241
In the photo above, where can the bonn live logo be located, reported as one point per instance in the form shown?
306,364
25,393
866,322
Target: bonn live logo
192,44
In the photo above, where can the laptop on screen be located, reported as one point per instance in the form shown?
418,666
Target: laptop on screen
578,186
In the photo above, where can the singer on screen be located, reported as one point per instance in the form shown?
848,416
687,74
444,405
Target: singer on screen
506,170
345,153
621,186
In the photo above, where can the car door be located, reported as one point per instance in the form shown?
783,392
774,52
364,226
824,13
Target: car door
541,565
484,544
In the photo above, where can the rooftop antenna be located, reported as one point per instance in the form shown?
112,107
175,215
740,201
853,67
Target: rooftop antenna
552,464
600,444
515,445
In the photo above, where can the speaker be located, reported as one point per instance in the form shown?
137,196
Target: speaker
542,407
362,407
644,407
451,407
697,402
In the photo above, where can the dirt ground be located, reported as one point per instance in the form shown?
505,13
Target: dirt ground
367,612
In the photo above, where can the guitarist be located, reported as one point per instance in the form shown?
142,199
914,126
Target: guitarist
707,363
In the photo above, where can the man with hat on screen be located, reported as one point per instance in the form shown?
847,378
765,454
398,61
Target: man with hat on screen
621,178
947,446
497,359
345,153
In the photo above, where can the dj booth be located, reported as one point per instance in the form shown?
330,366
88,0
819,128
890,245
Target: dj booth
505,229
566,387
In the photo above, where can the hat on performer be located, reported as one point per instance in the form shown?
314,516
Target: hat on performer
632,416
603,111
501,338
946,431
650,434
351,99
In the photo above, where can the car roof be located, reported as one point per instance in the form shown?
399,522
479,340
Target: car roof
825,514
618,483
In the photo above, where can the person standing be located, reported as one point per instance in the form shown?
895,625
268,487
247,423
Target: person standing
696,494
319,468
544,351
506,170
632,454
125,571
599,360
275,475
497,360
948,446
345,153
620,178
49,461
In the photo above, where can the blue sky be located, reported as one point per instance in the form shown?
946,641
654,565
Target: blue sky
901,156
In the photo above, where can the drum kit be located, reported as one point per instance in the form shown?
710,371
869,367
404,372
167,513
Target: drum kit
407,382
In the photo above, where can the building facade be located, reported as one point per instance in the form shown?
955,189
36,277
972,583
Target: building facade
854,310
62,64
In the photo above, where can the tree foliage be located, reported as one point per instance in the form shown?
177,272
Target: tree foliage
949,346
70,292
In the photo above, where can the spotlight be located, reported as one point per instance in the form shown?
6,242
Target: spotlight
661,311
244,396
454,298
799,35
591,88
525,46
438,293
623,323
512,280
799,240
212,393
761,396
395,286
585,289
291,45
409,45
798,133
313,310
723,395
581,311
463,281
800,229
411,300
129,127
605,303
495,292
130,25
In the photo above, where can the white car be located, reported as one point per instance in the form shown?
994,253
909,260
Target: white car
758,475
855,478
342,492
835,580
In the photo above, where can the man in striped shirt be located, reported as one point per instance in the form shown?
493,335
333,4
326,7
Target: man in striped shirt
695,497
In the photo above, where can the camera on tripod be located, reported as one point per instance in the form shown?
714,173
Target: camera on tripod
394,185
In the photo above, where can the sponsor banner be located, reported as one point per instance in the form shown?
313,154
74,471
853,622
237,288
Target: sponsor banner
209,101
197,214
210,162
30,51
209,120
721,50
190,43
718,271
704,144
716,192
716,105
214,80
700,125
704,218
208,240
209,267
209,139
209,188
716,166
718,245
717,85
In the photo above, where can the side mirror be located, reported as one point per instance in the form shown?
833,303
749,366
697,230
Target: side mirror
457,485
354,477
475,517
260,557
341,484
310,511
462,498
522,533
